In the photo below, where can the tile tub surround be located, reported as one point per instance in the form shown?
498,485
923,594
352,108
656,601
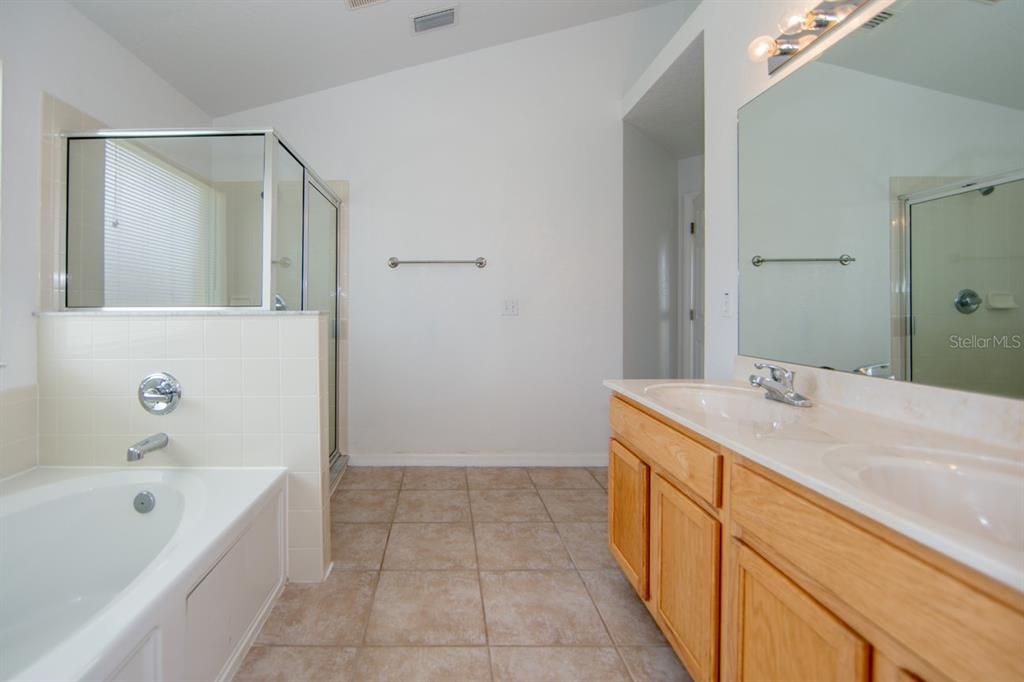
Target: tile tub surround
451,596
18,428
251,396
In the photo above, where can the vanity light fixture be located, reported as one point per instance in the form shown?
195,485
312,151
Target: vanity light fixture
797,30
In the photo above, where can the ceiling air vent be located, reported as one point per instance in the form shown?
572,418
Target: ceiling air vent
878,19
432,20
359,4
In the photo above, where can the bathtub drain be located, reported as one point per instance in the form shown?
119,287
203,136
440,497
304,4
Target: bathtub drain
144,502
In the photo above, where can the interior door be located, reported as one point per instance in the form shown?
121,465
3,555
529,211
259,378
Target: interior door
697,287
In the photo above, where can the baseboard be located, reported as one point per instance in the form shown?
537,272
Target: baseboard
480,459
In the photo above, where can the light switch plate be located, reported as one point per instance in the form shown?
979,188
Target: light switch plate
510,307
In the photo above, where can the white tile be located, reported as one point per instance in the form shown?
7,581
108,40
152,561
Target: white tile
69,376
223,337
147,337
223,414
261,414
110,337
113,377
111,448
304,529
74,416
300,452
185,337
47,416
223,376
299,414
298,336
303,490
112,415
298,376
261,377
305,565
73,338
260,337
223,449
183,449
261,449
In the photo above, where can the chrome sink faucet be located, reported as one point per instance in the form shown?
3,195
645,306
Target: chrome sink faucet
147,444
779,385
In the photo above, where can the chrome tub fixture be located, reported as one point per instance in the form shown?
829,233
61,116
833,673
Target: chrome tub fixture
157,441
798,30
159,393
779,385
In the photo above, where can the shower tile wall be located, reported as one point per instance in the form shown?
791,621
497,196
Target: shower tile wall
253,394
17,428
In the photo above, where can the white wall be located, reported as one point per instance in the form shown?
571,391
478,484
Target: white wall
650,257
50,47
513,153
840,316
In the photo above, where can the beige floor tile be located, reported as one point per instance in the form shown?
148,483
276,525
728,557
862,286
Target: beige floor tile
601,474
540,608
557,664
562,477
434,478
498,478
654,664
297,664
423,664
507,506
628,620
331,613
433,506
427,608
363,506
587,544
576,505
430,546
371,478
358,546
503,546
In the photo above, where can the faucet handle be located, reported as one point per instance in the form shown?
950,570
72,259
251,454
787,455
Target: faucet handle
781,374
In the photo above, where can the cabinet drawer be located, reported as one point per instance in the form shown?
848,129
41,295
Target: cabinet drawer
959,630
684,459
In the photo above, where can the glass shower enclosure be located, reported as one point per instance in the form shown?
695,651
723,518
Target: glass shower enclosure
207,220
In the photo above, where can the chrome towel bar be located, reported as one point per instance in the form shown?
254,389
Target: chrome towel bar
844,259
479,262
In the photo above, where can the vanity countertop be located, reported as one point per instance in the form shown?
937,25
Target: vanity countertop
961,497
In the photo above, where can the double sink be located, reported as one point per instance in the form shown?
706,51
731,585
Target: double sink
973,495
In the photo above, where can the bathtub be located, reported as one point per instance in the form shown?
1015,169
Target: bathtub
92,589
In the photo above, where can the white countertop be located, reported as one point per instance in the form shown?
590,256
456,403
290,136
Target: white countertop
827,448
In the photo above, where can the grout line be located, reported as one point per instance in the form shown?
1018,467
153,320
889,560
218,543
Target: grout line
480,585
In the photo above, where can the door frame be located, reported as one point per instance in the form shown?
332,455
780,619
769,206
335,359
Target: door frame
903,368
687,327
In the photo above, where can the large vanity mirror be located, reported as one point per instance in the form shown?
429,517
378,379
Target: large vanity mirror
882,202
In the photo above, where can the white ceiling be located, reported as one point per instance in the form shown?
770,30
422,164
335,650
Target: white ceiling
232,55
672,111
964,47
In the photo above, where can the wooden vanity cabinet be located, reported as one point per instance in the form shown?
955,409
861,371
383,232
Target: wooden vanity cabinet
629,515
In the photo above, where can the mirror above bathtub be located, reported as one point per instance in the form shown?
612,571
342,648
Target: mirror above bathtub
881,202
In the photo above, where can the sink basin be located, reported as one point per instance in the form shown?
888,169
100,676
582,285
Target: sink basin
721,401
979,496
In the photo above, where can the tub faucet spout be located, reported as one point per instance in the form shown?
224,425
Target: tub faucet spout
147,444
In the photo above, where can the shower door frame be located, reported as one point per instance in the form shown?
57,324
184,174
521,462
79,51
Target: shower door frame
903,366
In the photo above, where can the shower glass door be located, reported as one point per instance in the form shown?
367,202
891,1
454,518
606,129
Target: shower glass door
967,288
321,288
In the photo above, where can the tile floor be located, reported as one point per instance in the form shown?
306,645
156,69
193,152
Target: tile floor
459,575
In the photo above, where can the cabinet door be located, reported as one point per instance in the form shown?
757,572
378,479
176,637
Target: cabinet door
783,634
685,583
628,514
885,670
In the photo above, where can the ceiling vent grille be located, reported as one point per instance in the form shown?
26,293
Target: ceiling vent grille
878,19
433,20
359,4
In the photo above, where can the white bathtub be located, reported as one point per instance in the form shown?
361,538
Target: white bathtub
91,589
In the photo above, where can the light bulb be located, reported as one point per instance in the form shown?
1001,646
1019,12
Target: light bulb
761,48
792,23
843,11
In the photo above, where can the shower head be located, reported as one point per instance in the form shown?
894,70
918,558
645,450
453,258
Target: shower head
985,191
